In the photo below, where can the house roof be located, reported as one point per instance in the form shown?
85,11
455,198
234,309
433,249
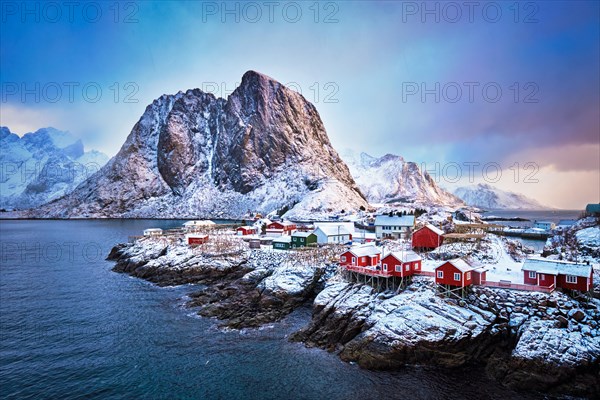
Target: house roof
432,228
333,230
405,256
459,264
246,227
283,239
404,220
302,234
195,236
284,223
557,267
203,222
364,250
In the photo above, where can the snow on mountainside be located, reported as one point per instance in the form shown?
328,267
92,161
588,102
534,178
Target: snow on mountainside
194,155
390,179
42,166
488,197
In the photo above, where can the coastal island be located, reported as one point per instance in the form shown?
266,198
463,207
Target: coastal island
533,341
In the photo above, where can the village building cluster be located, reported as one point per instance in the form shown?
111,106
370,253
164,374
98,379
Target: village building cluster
361,253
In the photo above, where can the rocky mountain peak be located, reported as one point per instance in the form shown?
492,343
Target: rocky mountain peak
262,148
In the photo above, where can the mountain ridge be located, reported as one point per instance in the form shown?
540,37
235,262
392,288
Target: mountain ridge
390,179
190,154
486,196
41,166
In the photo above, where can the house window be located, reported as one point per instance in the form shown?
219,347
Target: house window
440,274
468,276
571,279
398,268
343,258
364,259
385,267
543,277
353,260
456,276
532,274
407,268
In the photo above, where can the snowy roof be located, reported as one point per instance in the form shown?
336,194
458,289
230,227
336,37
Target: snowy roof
556,267
364,250
333,230
195,236
283,239
199,223
460,264
153,230
432,228
404,220
284,223
406,256
302,234
247,227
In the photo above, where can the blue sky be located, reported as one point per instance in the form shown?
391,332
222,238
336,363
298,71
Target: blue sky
365,65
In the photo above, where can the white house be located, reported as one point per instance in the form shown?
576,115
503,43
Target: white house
394,227
332,234
153,232
191,226
546,225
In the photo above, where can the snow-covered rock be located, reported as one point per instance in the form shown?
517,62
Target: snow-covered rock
42,166
488,197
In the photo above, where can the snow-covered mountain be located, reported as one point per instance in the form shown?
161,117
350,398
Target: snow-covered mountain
392,180
487,197
42,166
194,155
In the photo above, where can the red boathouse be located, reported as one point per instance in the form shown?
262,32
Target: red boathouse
401,263
285,227
457,273
427,238
246,230
194,239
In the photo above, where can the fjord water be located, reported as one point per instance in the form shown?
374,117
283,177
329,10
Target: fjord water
71,328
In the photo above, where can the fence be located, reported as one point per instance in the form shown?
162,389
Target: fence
518,286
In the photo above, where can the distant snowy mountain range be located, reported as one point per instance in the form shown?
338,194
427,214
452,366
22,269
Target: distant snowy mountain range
392,180
488,197
42,166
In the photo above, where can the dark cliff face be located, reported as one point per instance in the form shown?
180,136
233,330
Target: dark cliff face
186,141
262,127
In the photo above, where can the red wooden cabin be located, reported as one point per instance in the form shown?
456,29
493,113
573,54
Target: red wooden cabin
286,227
364,259
401,264
194,240
455,272
427,237
558,274
246,230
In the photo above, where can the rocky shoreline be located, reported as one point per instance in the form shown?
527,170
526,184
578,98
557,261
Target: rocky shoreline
527,340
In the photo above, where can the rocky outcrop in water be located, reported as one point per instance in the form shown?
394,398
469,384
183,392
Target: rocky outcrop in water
244,288
529,341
